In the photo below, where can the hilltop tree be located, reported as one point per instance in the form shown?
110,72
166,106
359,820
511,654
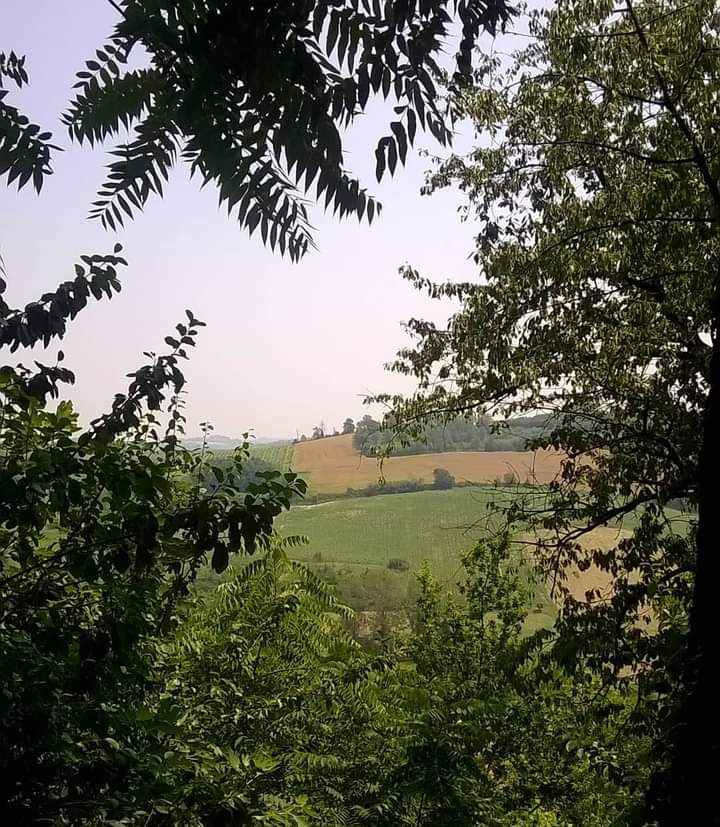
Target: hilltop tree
348,426
364,431
599,297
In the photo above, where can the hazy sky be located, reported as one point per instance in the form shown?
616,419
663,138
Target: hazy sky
286,345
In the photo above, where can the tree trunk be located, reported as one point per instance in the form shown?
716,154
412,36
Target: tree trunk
694,778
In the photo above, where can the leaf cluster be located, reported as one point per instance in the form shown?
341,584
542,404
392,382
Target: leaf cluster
263,131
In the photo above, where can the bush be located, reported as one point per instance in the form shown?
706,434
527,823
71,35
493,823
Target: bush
376,489
398,564
443,479
508,478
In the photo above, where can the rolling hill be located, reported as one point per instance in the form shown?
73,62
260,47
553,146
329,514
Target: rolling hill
331,465
353,543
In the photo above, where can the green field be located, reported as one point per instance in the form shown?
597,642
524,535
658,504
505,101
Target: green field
428,525
279,455
352,541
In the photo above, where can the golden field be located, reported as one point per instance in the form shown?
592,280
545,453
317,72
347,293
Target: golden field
331,466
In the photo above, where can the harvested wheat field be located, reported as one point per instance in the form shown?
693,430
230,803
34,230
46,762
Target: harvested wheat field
331,466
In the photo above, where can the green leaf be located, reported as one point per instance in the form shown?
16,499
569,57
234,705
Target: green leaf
220,558
411,125
263,761
392,155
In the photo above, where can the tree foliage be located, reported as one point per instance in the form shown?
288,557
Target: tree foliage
24,147
130,699
265,131
265,712
102,530
430,436
597,203
443,479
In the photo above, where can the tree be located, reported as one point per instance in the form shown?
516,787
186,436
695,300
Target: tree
364,438
24,148
443,479
103,530
318,432
261,670
348,426
309,725
491,732
264,133
599,298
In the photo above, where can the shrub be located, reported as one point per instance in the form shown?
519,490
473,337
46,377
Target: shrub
375,489
443,479
398,564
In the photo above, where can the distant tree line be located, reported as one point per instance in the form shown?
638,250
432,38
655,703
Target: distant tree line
370,437
321,431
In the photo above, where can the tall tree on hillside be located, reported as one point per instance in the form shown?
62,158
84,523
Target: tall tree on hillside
264,131
348,426
599,255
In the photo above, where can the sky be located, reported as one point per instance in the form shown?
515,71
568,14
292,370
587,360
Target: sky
286,345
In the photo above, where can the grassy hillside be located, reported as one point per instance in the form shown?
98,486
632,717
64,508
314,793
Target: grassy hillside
353,540
331,465
277,454
432,525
